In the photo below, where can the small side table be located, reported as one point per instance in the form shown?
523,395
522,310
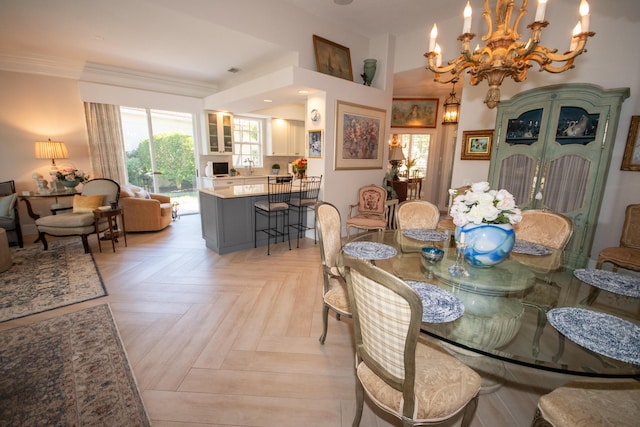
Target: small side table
111,215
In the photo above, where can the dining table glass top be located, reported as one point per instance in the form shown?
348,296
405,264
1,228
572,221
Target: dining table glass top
507,306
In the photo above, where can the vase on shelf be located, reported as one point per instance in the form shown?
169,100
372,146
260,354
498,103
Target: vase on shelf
486,244
369,71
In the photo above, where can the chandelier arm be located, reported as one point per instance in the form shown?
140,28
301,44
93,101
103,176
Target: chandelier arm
452,65
523,11
487,17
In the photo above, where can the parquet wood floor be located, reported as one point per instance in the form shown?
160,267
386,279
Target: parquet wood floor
233,340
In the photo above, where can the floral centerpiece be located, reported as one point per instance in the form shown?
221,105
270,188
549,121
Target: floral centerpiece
71,177
484,219
299,166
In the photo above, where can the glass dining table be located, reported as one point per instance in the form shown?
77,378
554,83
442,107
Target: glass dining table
507,308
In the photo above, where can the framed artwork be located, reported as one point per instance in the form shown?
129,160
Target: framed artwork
315,143
631,157
359,134
414,112
476,144
332,58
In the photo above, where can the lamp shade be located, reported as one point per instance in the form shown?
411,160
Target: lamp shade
51,150
396,154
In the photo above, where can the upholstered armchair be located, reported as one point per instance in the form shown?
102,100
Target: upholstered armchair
627,255
80,221
144,211
9,219
370,212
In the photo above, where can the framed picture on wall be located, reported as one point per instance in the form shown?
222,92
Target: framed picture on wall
315,143
332,58
476,144
414,112
631,157
359,134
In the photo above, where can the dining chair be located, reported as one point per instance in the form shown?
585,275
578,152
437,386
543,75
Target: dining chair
334,291
9,218
412,190
305,202
417,214
582,403
369,213
80,221
553,230
627,255
275,206
410,378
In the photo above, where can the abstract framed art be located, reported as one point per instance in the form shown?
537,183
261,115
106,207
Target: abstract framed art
359,134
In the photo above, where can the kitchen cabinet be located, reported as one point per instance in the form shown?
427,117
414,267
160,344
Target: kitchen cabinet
553,149
219,133
287,138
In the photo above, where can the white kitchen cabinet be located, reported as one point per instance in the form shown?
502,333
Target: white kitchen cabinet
219,133
286,138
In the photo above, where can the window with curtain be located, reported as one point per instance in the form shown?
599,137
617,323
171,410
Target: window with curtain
247,140
416,152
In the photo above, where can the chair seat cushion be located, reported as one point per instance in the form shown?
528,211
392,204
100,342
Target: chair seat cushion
66,220
593,404
266,206
628,258
367,221
443,384
337,295
302,202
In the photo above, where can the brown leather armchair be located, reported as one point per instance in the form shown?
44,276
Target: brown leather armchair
144,211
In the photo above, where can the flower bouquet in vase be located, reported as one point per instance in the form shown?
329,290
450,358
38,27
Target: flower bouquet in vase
71,177
299,167
484,221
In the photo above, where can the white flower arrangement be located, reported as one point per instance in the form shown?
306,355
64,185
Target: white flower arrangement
480,205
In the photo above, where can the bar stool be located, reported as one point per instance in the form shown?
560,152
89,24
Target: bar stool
309,190
276,205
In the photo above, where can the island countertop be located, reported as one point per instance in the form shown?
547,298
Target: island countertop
246,190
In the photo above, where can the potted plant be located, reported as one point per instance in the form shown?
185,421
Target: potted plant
275,169
233,172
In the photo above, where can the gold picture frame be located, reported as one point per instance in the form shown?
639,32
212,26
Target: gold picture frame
315,143
631,157
476,144
332,58
414,112
359,136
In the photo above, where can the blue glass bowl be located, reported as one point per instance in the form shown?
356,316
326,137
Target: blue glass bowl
432,255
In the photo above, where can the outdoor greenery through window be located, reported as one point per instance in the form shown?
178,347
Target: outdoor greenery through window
161,154
247,140
416,151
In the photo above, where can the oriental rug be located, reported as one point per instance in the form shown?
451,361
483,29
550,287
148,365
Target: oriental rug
70,370
42,280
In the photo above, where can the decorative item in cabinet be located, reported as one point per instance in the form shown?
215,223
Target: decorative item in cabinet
553,149
219,133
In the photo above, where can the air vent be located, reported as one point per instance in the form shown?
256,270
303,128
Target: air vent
234,70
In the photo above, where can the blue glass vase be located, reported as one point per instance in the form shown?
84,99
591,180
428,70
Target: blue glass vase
487,244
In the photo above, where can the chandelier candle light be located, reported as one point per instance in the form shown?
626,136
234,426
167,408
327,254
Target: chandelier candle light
504,54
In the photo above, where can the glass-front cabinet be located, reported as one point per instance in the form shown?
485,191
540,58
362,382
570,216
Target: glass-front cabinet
219,133
553,148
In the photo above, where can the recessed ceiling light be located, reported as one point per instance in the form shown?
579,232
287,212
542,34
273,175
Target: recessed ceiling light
268,100
303,92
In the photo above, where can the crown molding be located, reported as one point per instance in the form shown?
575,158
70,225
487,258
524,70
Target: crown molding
40,64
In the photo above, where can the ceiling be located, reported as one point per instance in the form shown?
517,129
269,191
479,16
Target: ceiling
187,40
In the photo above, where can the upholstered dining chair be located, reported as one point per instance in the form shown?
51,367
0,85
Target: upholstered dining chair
410,378
80,221
274,206
582,403
334,290
553,230
417,214
370,212
9,218
627,255
306,201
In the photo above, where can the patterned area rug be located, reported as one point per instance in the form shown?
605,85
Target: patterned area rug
69,370
43,280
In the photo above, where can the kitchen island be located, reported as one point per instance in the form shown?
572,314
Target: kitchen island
227,216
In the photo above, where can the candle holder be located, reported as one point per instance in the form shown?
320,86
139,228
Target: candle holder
457,269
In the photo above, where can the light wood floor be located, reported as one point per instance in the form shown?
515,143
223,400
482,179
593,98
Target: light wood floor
233,340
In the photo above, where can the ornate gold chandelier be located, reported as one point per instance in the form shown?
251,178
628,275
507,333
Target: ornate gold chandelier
504,54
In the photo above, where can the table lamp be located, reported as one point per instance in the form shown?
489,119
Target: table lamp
395,157
52,150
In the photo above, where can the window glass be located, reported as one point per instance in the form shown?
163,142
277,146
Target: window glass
247,142
416,152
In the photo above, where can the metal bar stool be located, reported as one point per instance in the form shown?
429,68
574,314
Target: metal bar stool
276,205
309,190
